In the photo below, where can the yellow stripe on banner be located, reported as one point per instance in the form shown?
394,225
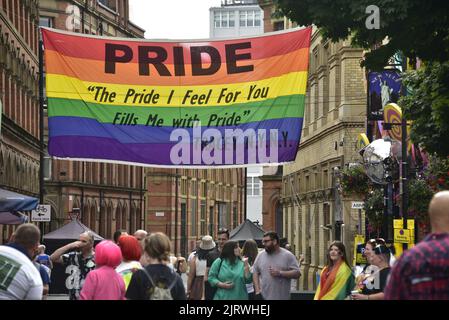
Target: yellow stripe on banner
60,86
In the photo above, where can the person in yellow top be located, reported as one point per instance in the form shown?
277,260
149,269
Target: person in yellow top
336,279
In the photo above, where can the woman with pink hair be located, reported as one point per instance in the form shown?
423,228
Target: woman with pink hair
104,283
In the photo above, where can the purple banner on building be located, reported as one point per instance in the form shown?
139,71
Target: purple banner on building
384,87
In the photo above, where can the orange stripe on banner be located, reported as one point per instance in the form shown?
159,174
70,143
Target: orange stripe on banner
93,70
93,47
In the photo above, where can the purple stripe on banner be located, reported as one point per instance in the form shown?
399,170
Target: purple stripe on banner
158,154
86,127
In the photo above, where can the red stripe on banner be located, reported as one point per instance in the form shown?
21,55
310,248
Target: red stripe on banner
90,47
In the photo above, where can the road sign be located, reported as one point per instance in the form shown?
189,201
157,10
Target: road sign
42,213
357,204
402,236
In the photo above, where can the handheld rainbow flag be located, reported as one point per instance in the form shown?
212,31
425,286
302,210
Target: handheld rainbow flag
205,103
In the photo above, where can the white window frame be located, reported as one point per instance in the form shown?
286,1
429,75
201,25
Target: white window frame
222,17
250,13
250,187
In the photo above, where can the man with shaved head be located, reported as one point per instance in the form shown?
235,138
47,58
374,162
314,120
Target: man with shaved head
78,258
422,273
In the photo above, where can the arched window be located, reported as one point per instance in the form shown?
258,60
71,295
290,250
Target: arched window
93,219
125,217
118,218
109,222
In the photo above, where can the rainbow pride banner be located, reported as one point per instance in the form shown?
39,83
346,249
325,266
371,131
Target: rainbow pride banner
205,103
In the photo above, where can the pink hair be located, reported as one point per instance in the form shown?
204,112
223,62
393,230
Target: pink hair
107,253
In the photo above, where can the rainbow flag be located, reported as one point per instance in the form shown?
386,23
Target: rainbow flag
205,103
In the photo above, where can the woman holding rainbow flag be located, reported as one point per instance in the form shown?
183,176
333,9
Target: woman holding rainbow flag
336,279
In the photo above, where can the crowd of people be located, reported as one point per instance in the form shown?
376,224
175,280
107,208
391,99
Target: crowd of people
420,273
142,267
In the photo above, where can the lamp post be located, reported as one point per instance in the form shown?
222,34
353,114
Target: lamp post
41,130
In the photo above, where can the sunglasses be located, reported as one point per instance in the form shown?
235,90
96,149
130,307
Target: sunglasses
376,241
381,249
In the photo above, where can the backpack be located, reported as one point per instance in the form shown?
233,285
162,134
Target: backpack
158,292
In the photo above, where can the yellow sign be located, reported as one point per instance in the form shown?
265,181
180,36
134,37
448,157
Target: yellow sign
359,243
398,224
401,235
398,249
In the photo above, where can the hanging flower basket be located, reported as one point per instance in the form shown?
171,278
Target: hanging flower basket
355,181
374,210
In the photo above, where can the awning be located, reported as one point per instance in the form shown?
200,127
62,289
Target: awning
247,230
12,218
11,203
71,230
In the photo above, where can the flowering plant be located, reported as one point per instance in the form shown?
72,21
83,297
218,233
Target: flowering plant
437,173
354,180
374,209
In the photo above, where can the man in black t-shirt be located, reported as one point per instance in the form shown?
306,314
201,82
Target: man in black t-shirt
79,261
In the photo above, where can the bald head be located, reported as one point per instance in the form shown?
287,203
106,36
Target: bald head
140,234
439,212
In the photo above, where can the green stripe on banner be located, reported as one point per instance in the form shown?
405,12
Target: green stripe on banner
282,107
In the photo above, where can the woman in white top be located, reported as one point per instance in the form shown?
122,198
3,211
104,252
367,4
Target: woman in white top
198,266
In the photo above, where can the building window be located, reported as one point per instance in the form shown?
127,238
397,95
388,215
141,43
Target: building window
110,4
203,218
235,216
250,18
184,187
194,188
253,186
278,25
224,19
46,22
193,220
203,190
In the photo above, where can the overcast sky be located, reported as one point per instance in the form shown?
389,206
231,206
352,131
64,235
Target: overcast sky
172,19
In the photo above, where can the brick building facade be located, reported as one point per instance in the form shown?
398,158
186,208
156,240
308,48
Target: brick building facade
19,97
107,196
187,204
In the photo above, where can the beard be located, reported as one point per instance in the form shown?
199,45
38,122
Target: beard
269,250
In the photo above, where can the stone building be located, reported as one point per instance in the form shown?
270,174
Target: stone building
313,213
19,100
335,112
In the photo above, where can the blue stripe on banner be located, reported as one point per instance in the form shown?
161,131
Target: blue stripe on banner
288,129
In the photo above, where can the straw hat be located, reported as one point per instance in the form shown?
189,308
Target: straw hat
207,243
